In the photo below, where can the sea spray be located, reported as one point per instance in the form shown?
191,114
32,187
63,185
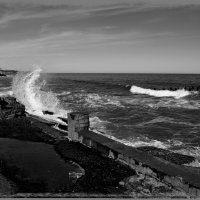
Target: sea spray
28,88
161,93
7,93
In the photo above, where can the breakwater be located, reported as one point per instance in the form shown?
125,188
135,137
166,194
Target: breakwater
178,176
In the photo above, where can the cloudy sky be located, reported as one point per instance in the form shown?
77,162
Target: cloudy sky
130,36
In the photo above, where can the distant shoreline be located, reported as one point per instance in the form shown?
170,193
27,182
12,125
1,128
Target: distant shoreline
4,73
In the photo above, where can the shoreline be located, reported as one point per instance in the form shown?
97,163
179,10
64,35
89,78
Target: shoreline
25,129
99,174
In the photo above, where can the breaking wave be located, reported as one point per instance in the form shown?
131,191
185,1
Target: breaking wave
29,89
161,93
7,93
64,93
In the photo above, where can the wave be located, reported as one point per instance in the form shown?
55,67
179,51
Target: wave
96,100
97,124
162,119
162,93
175,103
136,142
5,88
30,90
7,93
64,93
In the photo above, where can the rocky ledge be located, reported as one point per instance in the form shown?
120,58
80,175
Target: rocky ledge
10,108
102,175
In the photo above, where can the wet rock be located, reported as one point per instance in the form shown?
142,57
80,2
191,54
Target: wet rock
146,186
10,108
63,119
46,112
63,127
74,176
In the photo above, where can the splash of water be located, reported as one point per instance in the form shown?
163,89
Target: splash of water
28,88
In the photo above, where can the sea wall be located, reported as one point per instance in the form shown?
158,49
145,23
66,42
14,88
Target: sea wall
178,176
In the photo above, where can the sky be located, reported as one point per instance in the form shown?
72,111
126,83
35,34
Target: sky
101,36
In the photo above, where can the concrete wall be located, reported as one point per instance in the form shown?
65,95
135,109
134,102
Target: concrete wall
177,176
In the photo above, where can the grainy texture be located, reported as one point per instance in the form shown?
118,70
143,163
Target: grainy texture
167,155
102,175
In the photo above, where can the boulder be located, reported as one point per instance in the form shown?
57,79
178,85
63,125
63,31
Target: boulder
10,108
46,112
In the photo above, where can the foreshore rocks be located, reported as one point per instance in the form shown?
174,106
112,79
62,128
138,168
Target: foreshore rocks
102,175
10,108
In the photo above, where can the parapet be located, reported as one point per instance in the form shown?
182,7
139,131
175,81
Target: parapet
178,176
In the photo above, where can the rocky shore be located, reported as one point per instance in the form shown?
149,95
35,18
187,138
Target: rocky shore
99,175
102,175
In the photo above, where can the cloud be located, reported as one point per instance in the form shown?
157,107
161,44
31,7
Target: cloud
48,30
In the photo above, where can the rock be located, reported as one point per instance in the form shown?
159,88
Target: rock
121,183
74,176
63,127
63,119
46,112
10,108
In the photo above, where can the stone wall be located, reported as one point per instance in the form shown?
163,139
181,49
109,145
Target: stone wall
179,177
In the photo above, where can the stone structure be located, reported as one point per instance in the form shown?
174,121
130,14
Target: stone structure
77,122
178,176
10,108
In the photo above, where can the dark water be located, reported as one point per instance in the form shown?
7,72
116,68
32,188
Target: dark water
140,119
39,163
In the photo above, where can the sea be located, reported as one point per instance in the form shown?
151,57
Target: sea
158,110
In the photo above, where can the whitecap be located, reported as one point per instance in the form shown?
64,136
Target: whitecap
27,89
161,93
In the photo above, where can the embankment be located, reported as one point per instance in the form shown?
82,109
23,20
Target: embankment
179,177
102,175
110,167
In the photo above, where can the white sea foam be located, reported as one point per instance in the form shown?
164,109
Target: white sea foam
5,88
96,100
64,93
136,142
7,93
162,119
175,103
161,93
28,89
97,123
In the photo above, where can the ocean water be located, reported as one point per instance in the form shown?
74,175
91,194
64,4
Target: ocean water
123,106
